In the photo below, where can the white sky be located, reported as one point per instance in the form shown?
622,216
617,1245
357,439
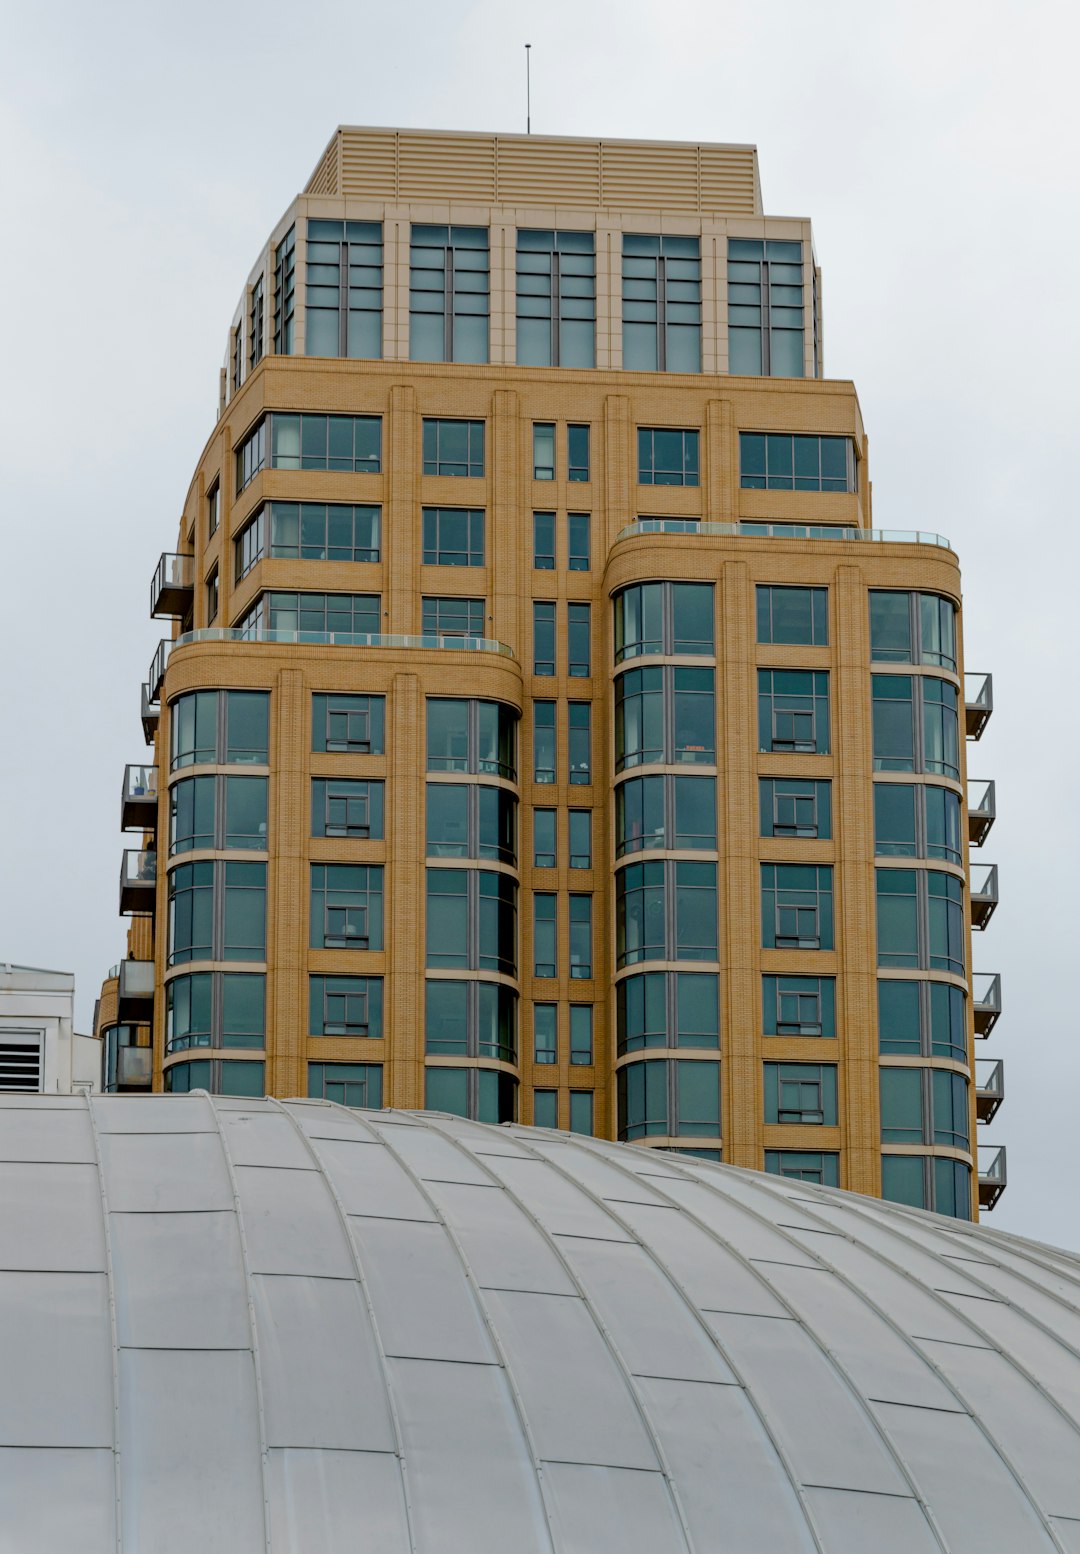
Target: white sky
145,152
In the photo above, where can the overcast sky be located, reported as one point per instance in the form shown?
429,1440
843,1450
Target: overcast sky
147,149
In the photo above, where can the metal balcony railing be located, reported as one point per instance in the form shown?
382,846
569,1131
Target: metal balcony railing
173,585
978,703
446,641
989,1087
986,1000
982,809
157,669
984,893
138,881
151,714
138,798
794,531
135,991
992,1177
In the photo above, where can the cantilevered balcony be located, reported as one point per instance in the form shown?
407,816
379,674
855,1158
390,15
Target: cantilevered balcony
984,893
138,881
151,714
989,1087
982,809
173,585
992,1177
986,1000
157,669
135,991
978,703
138,799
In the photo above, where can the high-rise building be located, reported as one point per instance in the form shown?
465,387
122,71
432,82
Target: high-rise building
545,732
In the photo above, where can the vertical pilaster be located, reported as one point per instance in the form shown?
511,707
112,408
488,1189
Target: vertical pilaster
287,889
403,1006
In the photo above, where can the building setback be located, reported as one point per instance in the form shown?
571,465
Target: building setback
545,733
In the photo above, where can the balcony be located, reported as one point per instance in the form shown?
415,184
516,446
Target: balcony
992,1178
151,714
134,1067
340,639
782,531
978,703
138,881
984,893
157,669
982,810
138,799
173,585
135,992
986,1000
989,1087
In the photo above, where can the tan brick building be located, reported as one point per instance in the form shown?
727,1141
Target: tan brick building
545,731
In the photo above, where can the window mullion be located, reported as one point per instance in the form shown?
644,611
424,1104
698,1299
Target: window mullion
669,909
343,298
766,322
217,911
448,305
472,1037
472,820
661,314
669,810
472,930
556,292
673,1119
925,1039
667,691
671,1008
922,914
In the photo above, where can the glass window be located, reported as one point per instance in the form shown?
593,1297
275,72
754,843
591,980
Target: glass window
802,1165
910,628
344,288
543,637
916,821
217,911
213,509
544,834
471,920
544,741
352,443
920,919
916,725
452,617
453,537
353,724
579,640
673,1098
793,710
924,1106
212,593
544,542
579,544
665,910
346,906
661,303
454,448
795,806
220,727
765,307
219,1076
667,457
799,616
796,906
943,1185
482,1094
345,1006
581,951
803,1093
215,1009
577,453
661,812
349,1084
653,618
471,736
545,1108
226,813
471,820
545,1033
449,287
664,713
545,933
285,293
579,742
581,1112
340,618
667,1009
543,450
251,455
799,1006
777,461
581,1032
470,1019
342,806
556,299
580,838
309,531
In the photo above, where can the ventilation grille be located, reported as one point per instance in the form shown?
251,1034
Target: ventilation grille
20,1061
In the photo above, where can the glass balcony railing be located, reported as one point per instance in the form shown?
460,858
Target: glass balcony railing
135,993
446,641
138,798
982,809
157,669
138,881
113,971
989,1087
992,1177
978,703
173,585
984,893
151,714
134,1067
986,1000
783,531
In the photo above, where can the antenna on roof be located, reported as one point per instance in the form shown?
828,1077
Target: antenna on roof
528,91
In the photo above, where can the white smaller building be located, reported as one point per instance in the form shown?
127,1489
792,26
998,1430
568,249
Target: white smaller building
40,1050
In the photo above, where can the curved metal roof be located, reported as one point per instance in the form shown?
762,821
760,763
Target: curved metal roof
241,1325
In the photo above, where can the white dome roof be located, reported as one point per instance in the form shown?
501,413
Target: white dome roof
241,1325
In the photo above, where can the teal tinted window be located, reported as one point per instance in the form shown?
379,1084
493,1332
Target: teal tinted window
795,806
352,724
556,299
765,307
661,303
453,537
897,917
675,1098
902,1106
799,1006
344,288
449,286
346,906
799,616
545,1108
581,1112
668,1009
332,442
796,906
778,461
454,448
345,1006
667,457
348,1084
346,806
545,1033
544,542
793,710
801,1165
801,1093
903,1180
